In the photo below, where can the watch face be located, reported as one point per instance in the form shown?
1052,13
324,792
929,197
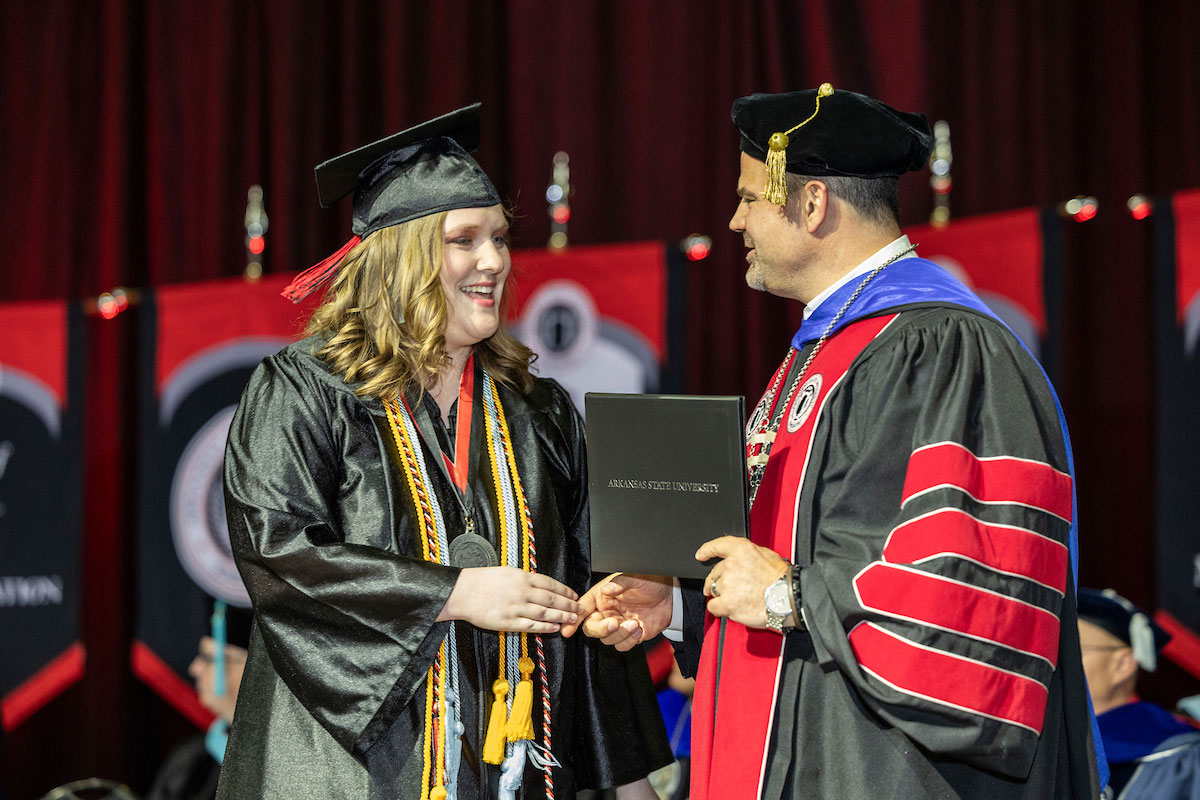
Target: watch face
777,598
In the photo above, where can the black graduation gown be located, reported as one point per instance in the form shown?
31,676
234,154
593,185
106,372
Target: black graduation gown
332,700
842,728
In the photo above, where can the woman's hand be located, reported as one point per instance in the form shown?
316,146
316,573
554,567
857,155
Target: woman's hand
509,599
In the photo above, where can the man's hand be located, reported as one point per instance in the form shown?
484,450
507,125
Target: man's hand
622,610
742,578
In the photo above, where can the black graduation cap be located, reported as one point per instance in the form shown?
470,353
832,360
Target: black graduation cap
419,171
1110,611
823,132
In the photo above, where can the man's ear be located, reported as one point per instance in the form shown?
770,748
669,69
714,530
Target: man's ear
1124,666
814,204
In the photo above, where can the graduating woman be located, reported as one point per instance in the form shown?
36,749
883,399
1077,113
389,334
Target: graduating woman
408,509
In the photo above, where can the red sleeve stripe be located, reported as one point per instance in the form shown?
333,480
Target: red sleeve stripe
948,679
1006,549
905,593
997,479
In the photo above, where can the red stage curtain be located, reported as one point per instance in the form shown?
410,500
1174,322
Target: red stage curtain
132,129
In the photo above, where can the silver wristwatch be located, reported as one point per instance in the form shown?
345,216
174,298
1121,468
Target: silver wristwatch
778,599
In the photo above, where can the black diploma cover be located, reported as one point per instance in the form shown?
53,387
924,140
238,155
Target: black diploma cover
666,473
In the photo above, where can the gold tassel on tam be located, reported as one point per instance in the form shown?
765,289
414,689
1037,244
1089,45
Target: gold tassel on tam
776,191
520,721
493,745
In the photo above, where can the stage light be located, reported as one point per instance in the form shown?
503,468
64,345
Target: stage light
256,232
558,195
1080,208
106,306
940,160
111,303
1140,207
696,247
1087,210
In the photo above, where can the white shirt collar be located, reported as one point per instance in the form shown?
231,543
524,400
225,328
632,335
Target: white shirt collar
880,256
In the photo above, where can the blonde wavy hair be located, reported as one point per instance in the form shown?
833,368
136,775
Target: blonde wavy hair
397,271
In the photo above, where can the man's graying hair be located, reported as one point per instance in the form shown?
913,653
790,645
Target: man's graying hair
875,199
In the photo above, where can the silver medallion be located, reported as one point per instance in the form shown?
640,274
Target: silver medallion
472,550
760,412
806,399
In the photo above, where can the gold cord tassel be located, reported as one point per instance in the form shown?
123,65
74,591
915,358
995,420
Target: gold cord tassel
520,721
776,191
493,745
438,793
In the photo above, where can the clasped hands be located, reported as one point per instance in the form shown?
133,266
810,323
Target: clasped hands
623,610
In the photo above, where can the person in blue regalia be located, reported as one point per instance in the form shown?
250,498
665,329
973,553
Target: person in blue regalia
1152,753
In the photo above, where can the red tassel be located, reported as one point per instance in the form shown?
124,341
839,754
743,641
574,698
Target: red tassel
318,275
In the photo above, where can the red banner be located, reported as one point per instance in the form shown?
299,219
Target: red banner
1002,258
599,317
1186,208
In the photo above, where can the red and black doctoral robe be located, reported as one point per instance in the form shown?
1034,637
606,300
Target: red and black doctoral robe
926,494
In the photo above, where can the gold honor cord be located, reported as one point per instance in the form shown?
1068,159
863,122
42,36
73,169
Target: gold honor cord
504,727
511,499
435,690
494,742
520,719
525,687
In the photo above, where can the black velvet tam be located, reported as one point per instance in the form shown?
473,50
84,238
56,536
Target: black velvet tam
1112,612
852,134
419,171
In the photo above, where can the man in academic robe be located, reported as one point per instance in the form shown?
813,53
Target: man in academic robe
1152,753
901,621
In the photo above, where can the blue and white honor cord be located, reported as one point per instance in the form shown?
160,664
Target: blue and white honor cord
513,768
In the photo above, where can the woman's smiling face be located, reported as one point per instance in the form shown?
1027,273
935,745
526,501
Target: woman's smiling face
475,264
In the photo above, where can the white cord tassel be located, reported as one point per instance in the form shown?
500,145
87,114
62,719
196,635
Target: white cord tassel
454,728
513,771
541,757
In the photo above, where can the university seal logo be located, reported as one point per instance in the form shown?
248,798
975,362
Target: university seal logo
198,526
802,406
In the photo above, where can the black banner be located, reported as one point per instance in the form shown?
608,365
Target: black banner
41,498
1177,366
200,343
